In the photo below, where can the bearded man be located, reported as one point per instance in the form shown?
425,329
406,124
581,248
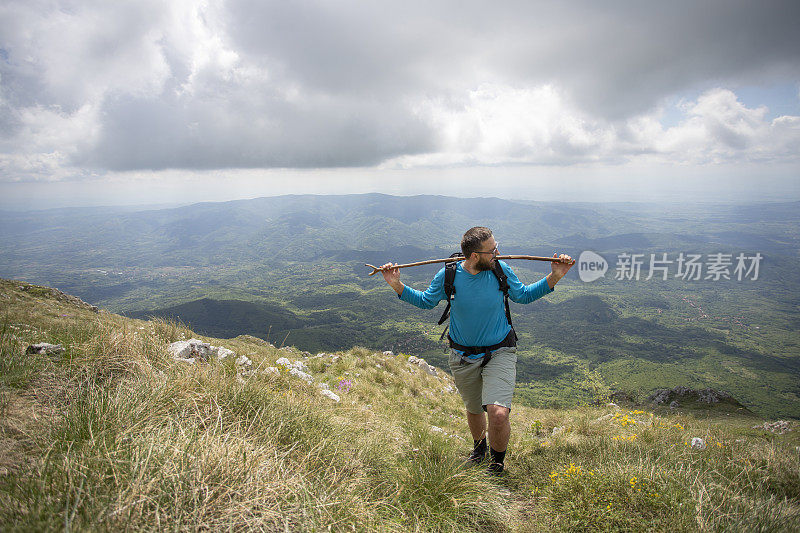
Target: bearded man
482,341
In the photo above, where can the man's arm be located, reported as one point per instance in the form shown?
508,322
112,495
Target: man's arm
525,294
559,270
424,300
392,277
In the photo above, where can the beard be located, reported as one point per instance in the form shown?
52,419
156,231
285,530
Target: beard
484,264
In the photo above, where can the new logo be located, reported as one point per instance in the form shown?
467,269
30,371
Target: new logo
591,266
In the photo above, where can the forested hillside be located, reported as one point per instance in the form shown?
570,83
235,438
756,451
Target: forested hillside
290,270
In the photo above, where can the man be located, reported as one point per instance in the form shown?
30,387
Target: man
482,342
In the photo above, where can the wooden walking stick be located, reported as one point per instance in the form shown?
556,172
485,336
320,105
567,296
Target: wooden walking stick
375,269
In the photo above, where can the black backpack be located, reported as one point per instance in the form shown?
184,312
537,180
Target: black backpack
450,290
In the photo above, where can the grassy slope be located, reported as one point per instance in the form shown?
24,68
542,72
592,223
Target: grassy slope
115,434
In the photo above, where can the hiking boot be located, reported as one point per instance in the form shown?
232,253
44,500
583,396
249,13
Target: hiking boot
477,457
495,469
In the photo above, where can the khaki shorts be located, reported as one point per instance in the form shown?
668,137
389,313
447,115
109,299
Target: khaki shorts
490,385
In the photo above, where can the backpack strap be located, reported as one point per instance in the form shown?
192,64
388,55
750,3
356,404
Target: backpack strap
502,279
450,290
449,285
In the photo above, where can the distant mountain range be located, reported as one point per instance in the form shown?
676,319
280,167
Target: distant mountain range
291,269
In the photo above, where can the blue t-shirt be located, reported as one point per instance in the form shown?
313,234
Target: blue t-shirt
477,314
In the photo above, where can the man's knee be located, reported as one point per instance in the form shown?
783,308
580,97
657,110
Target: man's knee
498,414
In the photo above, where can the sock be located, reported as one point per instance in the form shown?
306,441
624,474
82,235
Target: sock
497,457
480,445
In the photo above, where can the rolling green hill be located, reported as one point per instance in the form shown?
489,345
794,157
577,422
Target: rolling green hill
290,269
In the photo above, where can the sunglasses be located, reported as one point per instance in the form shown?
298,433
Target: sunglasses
494,251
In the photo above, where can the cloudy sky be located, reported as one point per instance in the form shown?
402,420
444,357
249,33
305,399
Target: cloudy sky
105,102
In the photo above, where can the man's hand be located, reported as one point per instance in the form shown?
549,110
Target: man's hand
392,277
559,270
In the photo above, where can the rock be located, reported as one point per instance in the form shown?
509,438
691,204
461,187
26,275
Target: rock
191,349
44,348
558,430
301,375
328,394
437,429
710,396
195,349
272,371
388,353
612,404
660,396
422,364
323,386
222,353
780,427
674,404
287,364
605,417
698,443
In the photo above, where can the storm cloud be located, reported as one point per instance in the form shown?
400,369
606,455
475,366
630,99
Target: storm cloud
89,87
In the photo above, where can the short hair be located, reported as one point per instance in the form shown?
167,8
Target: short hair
473,239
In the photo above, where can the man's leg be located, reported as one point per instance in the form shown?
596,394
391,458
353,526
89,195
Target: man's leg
499,427
470,385
499,375
477,425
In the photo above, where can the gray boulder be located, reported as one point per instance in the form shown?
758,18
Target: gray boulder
44,348
422,364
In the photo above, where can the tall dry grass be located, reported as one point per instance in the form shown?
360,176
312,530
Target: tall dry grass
115,435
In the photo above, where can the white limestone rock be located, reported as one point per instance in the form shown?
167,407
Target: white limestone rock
289,365
223,353
780,427
191,349
301,375
698,443
328,394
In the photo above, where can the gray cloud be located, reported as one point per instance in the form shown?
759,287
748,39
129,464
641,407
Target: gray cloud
248,83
